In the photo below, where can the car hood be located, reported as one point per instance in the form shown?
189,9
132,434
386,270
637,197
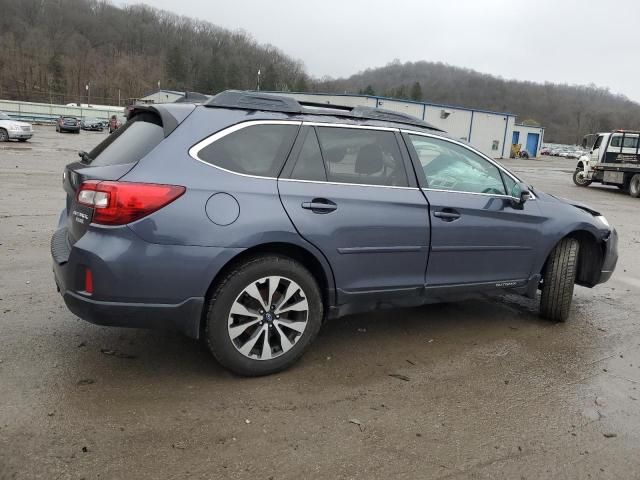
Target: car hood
553,198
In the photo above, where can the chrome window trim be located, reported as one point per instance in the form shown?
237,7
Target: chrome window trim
195,150
477,152
467,193
348,184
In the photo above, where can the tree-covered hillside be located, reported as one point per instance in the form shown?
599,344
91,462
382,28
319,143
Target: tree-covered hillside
50,50
567,111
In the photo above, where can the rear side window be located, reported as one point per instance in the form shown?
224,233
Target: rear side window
309,165
370,157
129,143
256,150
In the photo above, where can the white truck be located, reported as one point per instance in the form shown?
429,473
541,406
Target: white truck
613,159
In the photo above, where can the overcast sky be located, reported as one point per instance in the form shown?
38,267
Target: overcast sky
562,41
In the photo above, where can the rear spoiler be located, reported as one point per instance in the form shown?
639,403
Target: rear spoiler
170,114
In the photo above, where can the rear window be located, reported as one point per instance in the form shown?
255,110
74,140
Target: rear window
129,143
256,150
629,142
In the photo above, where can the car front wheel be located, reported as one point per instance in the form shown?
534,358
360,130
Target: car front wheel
558,280
263,315
4,136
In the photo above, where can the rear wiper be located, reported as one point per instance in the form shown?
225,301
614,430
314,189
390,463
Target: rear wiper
84,156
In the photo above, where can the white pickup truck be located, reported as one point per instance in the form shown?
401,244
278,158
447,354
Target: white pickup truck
613,159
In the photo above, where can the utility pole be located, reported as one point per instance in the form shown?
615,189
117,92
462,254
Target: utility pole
258,84
87,88
118,97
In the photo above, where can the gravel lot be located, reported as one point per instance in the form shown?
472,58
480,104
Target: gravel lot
478,389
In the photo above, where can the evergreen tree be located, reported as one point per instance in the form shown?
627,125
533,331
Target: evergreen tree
416,92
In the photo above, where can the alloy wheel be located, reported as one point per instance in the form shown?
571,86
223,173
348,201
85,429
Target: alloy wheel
268,317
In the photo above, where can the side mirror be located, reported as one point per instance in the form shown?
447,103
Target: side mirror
520,193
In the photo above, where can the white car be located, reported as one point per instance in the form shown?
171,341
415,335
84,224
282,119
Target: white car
12,129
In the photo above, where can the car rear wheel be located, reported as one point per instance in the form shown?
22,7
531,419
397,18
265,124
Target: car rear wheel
4,136
634,186
579,178
263,315
558,280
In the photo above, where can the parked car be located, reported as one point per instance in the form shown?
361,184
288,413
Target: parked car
545,151
251,219
68,124
11,129
92,124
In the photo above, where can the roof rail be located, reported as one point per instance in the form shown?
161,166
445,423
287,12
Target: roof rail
254,101
268,102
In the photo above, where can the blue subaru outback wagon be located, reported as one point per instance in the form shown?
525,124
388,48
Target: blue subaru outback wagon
250,219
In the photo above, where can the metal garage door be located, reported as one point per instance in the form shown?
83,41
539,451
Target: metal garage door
532,143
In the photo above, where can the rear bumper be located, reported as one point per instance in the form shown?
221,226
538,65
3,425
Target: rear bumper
610,257
183,317
135,283
68,128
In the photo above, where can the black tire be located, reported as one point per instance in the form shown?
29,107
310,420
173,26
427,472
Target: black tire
224,296
578,181
4,136
558,280
634,186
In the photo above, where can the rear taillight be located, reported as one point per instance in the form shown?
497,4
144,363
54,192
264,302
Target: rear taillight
118,203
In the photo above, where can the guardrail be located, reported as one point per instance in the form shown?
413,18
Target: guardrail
48,113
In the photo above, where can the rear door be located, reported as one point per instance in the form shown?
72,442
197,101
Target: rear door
110,160
478,237
347,191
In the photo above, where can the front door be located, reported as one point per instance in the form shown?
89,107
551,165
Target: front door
532,144
347,192
478,236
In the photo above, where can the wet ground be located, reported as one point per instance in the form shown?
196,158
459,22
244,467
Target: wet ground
478,389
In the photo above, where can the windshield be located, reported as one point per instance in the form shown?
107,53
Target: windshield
4,116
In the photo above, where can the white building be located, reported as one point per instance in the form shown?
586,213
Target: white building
531,138
490,132
161,96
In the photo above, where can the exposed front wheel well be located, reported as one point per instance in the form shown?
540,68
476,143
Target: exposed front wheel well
294,252
590,257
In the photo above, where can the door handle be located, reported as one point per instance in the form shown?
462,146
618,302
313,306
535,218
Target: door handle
320,205
448,215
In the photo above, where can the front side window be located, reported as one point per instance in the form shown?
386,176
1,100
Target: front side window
598,143
255,150
362,156
448,166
